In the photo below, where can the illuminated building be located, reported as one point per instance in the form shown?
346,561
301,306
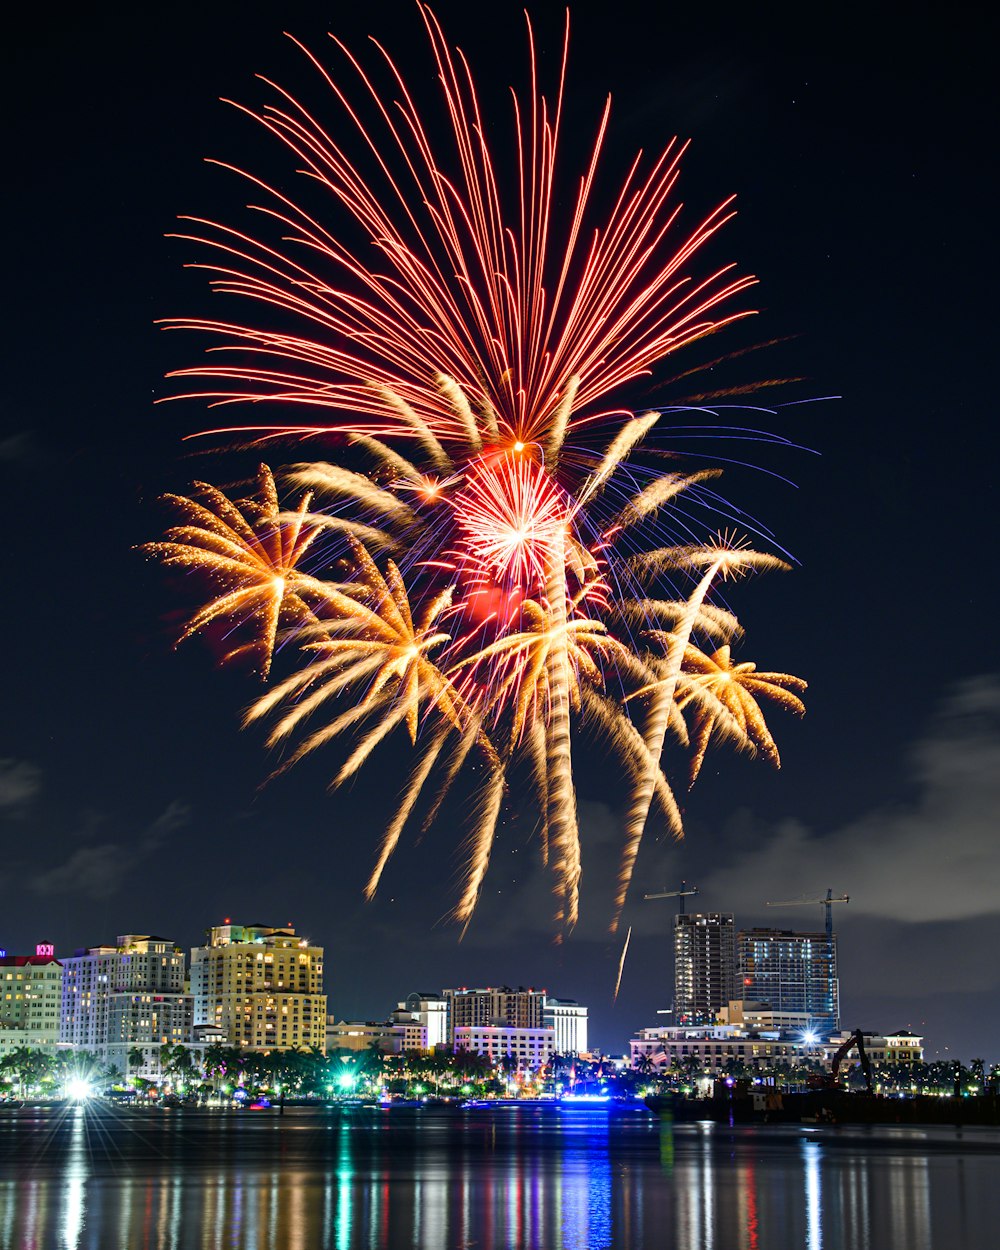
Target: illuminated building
30,1000
398,1034
493,1007
513,1047
901,1047
568,1020
708,1048
792,972
431,1011
124,997
704,966
262,986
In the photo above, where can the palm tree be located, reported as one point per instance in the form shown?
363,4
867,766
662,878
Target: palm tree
644,1065
181,1063
136,1058
166,1056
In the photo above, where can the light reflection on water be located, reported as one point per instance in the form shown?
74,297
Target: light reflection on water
82,1179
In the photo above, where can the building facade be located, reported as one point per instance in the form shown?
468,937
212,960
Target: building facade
262,986
794,972
430,1011
704,966
709,1048
901,1047
30,1000
493,1007
127,997
516,1048
395,1037
568,1021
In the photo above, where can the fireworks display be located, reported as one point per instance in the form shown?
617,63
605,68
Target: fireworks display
498,559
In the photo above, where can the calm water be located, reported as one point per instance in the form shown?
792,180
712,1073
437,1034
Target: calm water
83,1179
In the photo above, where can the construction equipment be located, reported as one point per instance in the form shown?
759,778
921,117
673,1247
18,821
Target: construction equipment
681,894
826,902
855,1041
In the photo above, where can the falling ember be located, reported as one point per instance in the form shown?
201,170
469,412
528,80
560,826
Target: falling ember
621,964
507,565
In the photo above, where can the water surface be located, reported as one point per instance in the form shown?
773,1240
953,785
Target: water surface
84,1178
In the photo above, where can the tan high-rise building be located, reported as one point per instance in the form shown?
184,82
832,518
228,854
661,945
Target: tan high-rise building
262,986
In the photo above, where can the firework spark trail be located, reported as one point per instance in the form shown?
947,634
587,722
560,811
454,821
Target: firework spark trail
255,550
409,797
561,817
726,561
480,844
531,329
737,687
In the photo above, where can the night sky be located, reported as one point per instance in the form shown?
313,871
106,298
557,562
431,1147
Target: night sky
129,800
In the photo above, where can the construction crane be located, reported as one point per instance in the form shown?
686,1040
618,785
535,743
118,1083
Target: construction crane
826,902
682,894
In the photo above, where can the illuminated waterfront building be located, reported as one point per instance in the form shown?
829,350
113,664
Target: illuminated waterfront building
125,997
568,1021
704,966
901,1047
514,1047
262,986
431,1011
708,1048
794,972
30,1000
493,1007
400,1033
756,1045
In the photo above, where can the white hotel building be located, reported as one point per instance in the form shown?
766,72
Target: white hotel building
509,1045
124,997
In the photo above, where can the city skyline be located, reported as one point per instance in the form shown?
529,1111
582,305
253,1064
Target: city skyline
215,992
126,791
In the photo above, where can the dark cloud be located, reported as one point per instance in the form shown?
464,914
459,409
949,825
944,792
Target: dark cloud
20,782
99,872
175,816
932,857
94,871
17,448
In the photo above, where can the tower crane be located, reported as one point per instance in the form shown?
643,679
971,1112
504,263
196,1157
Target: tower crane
681,894
826,902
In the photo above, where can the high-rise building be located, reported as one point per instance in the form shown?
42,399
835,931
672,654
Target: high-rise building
494,1007
704,965
262,986
126,997
30,1000
568,1020
792,972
